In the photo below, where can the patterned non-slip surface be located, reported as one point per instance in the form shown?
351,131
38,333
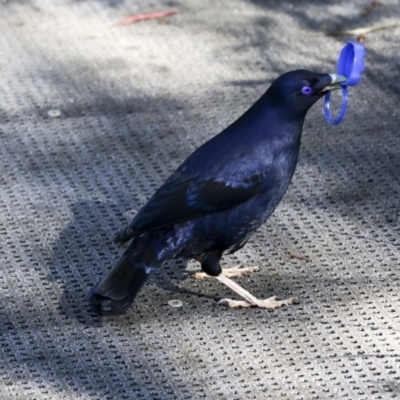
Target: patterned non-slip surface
94,117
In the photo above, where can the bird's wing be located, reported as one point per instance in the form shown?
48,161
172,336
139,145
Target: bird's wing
182,198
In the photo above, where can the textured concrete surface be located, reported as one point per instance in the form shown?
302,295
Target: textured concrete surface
133,102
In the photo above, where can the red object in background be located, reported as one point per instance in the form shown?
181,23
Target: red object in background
143,17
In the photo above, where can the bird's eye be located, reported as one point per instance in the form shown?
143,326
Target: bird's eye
306,90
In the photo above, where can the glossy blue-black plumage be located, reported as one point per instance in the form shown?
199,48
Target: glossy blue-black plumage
220,194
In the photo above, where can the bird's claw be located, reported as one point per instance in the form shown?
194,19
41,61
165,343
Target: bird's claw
269,303
238,271
234,272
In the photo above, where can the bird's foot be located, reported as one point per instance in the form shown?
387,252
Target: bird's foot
269,303
234,272
250,300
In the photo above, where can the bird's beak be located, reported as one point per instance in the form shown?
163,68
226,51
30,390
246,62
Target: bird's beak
337,80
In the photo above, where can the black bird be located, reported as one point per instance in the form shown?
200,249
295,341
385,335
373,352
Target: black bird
221,194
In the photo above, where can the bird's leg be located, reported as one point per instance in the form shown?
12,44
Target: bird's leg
210,265
250,300
234,272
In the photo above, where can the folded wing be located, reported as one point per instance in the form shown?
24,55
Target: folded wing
183,198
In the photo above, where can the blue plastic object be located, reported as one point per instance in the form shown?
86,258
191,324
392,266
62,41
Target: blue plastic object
350,65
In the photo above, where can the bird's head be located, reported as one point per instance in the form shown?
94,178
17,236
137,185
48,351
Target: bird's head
299,90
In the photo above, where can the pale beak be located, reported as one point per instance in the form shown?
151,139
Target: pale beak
336,83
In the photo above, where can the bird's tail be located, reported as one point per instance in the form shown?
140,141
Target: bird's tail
114,294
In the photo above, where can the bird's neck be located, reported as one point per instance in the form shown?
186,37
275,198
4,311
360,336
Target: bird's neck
279,120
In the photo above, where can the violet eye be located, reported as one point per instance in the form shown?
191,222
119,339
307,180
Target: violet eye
306,90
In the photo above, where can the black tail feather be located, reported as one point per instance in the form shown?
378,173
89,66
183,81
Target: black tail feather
114,294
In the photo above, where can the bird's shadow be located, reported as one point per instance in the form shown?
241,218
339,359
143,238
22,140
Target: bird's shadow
84,252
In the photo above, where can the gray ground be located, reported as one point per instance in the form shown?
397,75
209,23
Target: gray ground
134,102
